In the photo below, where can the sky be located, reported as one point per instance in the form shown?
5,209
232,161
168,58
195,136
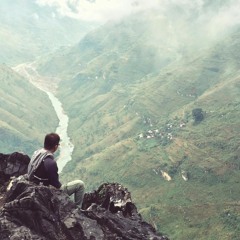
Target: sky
98,10
105,10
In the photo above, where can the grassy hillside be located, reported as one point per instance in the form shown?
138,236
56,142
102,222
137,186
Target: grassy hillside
26,114
130,103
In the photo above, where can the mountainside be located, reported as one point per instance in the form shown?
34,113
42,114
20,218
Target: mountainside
26,113
29,30
159,118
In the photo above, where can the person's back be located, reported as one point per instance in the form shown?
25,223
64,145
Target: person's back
36,163
47,173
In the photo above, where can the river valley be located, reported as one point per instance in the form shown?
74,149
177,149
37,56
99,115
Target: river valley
49,86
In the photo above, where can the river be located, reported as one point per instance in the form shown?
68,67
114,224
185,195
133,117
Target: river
66,147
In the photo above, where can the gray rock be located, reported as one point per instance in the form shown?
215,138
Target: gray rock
38,212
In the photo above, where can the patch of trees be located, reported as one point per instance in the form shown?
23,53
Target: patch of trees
198,115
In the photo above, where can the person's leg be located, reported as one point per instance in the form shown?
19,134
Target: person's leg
77,187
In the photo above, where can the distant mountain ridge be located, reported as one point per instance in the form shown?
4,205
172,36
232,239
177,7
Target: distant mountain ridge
28,31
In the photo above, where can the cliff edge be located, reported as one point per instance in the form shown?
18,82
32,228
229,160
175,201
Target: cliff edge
30,211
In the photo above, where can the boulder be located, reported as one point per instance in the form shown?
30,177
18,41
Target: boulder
12,165
35,212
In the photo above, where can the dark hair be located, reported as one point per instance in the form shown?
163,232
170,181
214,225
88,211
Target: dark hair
51,140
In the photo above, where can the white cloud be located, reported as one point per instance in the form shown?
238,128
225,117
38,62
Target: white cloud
225,18
104,10
35,16
98,10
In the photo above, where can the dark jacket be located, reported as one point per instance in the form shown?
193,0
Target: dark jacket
48,170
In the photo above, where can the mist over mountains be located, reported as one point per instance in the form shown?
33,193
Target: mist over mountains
132,87
28,31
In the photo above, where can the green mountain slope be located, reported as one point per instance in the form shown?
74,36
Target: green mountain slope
26,114
130,99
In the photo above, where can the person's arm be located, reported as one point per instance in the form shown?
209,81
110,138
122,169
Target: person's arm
52,172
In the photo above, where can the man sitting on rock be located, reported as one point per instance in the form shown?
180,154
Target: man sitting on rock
43,169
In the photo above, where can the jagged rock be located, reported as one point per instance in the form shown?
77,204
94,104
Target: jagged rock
38,212
12,165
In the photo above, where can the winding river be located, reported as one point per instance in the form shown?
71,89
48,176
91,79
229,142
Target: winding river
66,147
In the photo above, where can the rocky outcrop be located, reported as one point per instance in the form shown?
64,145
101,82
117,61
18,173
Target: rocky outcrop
38,212
12,165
